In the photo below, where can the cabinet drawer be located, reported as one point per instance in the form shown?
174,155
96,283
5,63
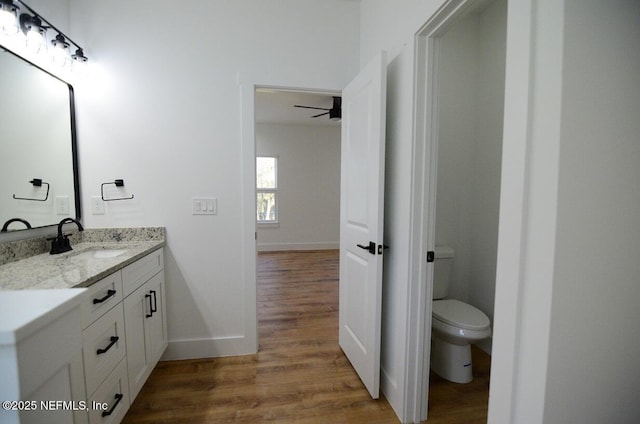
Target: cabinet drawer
115,393
103,347
134,275
101,297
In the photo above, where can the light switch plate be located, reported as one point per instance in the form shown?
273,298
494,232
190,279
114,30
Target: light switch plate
204,206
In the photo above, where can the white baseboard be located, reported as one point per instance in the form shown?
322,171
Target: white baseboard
207,348
389,387
274,247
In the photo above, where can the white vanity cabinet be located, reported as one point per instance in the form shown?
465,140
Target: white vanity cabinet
124,334
41,357
145,320
146,330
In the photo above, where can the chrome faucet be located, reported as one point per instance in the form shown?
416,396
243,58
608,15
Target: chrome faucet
61,244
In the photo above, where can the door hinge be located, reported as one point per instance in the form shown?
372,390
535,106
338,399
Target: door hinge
431,255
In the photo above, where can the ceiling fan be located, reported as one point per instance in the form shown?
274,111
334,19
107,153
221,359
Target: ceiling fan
335,113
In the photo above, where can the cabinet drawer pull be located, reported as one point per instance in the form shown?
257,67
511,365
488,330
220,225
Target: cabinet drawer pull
118,397
154,308
153,303
113,339
150,314
110,293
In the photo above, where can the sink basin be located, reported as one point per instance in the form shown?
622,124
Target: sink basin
108,253
94,253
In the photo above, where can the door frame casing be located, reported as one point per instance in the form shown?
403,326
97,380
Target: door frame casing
422,219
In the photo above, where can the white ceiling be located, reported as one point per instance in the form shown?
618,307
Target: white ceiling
276,107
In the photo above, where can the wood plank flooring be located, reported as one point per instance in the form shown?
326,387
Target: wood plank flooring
299,375
461,403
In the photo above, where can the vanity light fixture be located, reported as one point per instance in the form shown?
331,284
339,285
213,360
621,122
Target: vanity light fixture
79,62
60,52
35,32
8,17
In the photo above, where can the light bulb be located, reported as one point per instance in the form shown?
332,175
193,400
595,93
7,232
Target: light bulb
34,32
60,51
79,65
8,18
35,41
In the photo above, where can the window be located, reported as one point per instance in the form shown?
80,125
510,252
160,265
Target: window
267,189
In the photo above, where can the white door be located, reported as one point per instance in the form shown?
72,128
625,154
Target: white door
361,220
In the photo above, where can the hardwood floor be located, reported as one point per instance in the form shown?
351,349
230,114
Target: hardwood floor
299,375
461,403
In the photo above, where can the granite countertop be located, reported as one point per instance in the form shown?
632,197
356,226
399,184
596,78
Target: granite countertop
83,266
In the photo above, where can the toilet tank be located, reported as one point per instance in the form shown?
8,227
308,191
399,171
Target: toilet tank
442,271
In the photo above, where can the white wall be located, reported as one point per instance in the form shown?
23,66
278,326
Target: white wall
161,109
595,377
308,186
488,158
458,93
471,96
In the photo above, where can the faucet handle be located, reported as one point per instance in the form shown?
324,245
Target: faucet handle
60,244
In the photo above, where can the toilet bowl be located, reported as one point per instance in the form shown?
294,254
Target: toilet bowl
455,325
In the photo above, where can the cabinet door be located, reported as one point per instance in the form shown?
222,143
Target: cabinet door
136,308
146,331
66,386
156,326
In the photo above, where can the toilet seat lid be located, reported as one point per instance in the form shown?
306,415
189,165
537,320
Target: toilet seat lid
460,314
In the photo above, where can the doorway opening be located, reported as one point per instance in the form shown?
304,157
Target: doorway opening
461,56
298,171
362,146
298,213
297,260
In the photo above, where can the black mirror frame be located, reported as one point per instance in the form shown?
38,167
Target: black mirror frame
74,138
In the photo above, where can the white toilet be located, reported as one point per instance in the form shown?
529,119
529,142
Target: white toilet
455,325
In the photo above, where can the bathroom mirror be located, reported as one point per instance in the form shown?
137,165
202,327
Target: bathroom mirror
38,157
